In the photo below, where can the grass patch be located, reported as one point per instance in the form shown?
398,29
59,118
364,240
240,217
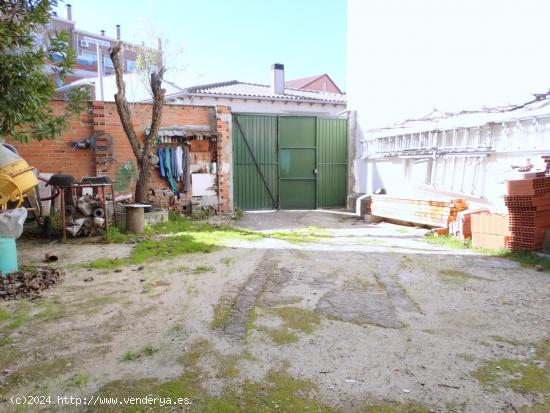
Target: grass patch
450,242
402,230
202,269
527,259
34,373
301,235
531,376
166,247
146,351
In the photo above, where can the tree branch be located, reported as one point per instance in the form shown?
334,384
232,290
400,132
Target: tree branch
158,102
122,104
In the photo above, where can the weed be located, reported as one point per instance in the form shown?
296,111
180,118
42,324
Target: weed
237,215
179,269
114,236
147,351
201,269
79,380
402,230
227,261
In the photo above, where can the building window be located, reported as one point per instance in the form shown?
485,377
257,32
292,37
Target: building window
87,58
131,65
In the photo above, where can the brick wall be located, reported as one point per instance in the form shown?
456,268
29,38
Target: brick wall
58,155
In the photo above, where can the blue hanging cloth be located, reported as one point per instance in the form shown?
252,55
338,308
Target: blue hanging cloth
168,166
160,153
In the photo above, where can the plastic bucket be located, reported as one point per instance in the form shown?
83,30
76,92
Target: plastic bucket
8,256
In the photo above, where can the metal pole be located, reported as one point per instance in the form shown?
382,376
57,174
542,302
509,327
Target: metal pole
64,231
99,72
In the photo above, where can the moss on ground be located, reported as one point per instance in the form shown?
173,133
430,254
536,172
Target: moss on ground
395,407
297,318
294,320
530,376
459,276
223,311
35,373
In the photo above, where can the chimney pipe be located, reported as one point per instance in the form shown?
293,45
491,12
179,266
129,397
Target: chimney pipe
103,32
118,31
69,12
278,79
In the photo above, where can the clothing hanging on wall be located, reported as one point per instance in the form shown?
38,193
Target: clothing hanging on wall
179,158
186,163
160,153
168,153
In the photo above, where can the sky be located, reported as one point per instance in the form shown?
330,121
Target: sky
407,57
219,40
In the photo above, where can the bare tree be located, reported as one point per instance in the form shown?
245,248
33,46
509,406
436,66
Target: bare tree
143,151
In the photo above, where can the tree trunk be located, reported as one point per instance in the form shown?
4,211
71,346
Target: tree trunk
142,152
142,183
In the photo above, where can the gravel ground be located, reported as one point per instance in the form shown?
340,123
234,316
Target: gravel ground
366,313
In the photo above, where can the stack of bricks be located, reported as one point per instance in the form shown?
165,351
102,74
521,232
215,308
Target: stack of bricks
180,206
490,231
528,202
161,198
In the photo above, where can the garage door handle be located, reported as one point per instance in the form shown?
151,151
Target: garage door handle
315,171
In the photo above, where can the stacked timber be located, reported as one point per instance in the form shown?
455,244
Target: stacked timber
528,202
436,213
490,231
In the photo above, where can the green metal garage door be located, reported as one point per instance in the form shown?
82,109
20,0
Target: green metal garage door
289,162
297,163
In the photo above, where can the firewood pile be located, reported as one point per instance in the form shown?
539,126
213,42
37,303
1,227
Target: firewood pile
29,282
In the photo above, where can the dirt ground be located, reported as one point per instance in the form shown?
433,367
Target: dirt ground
366,318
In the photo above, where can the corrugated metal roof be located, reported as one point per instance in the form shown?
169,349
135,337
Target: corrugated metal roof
234,88
436,120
